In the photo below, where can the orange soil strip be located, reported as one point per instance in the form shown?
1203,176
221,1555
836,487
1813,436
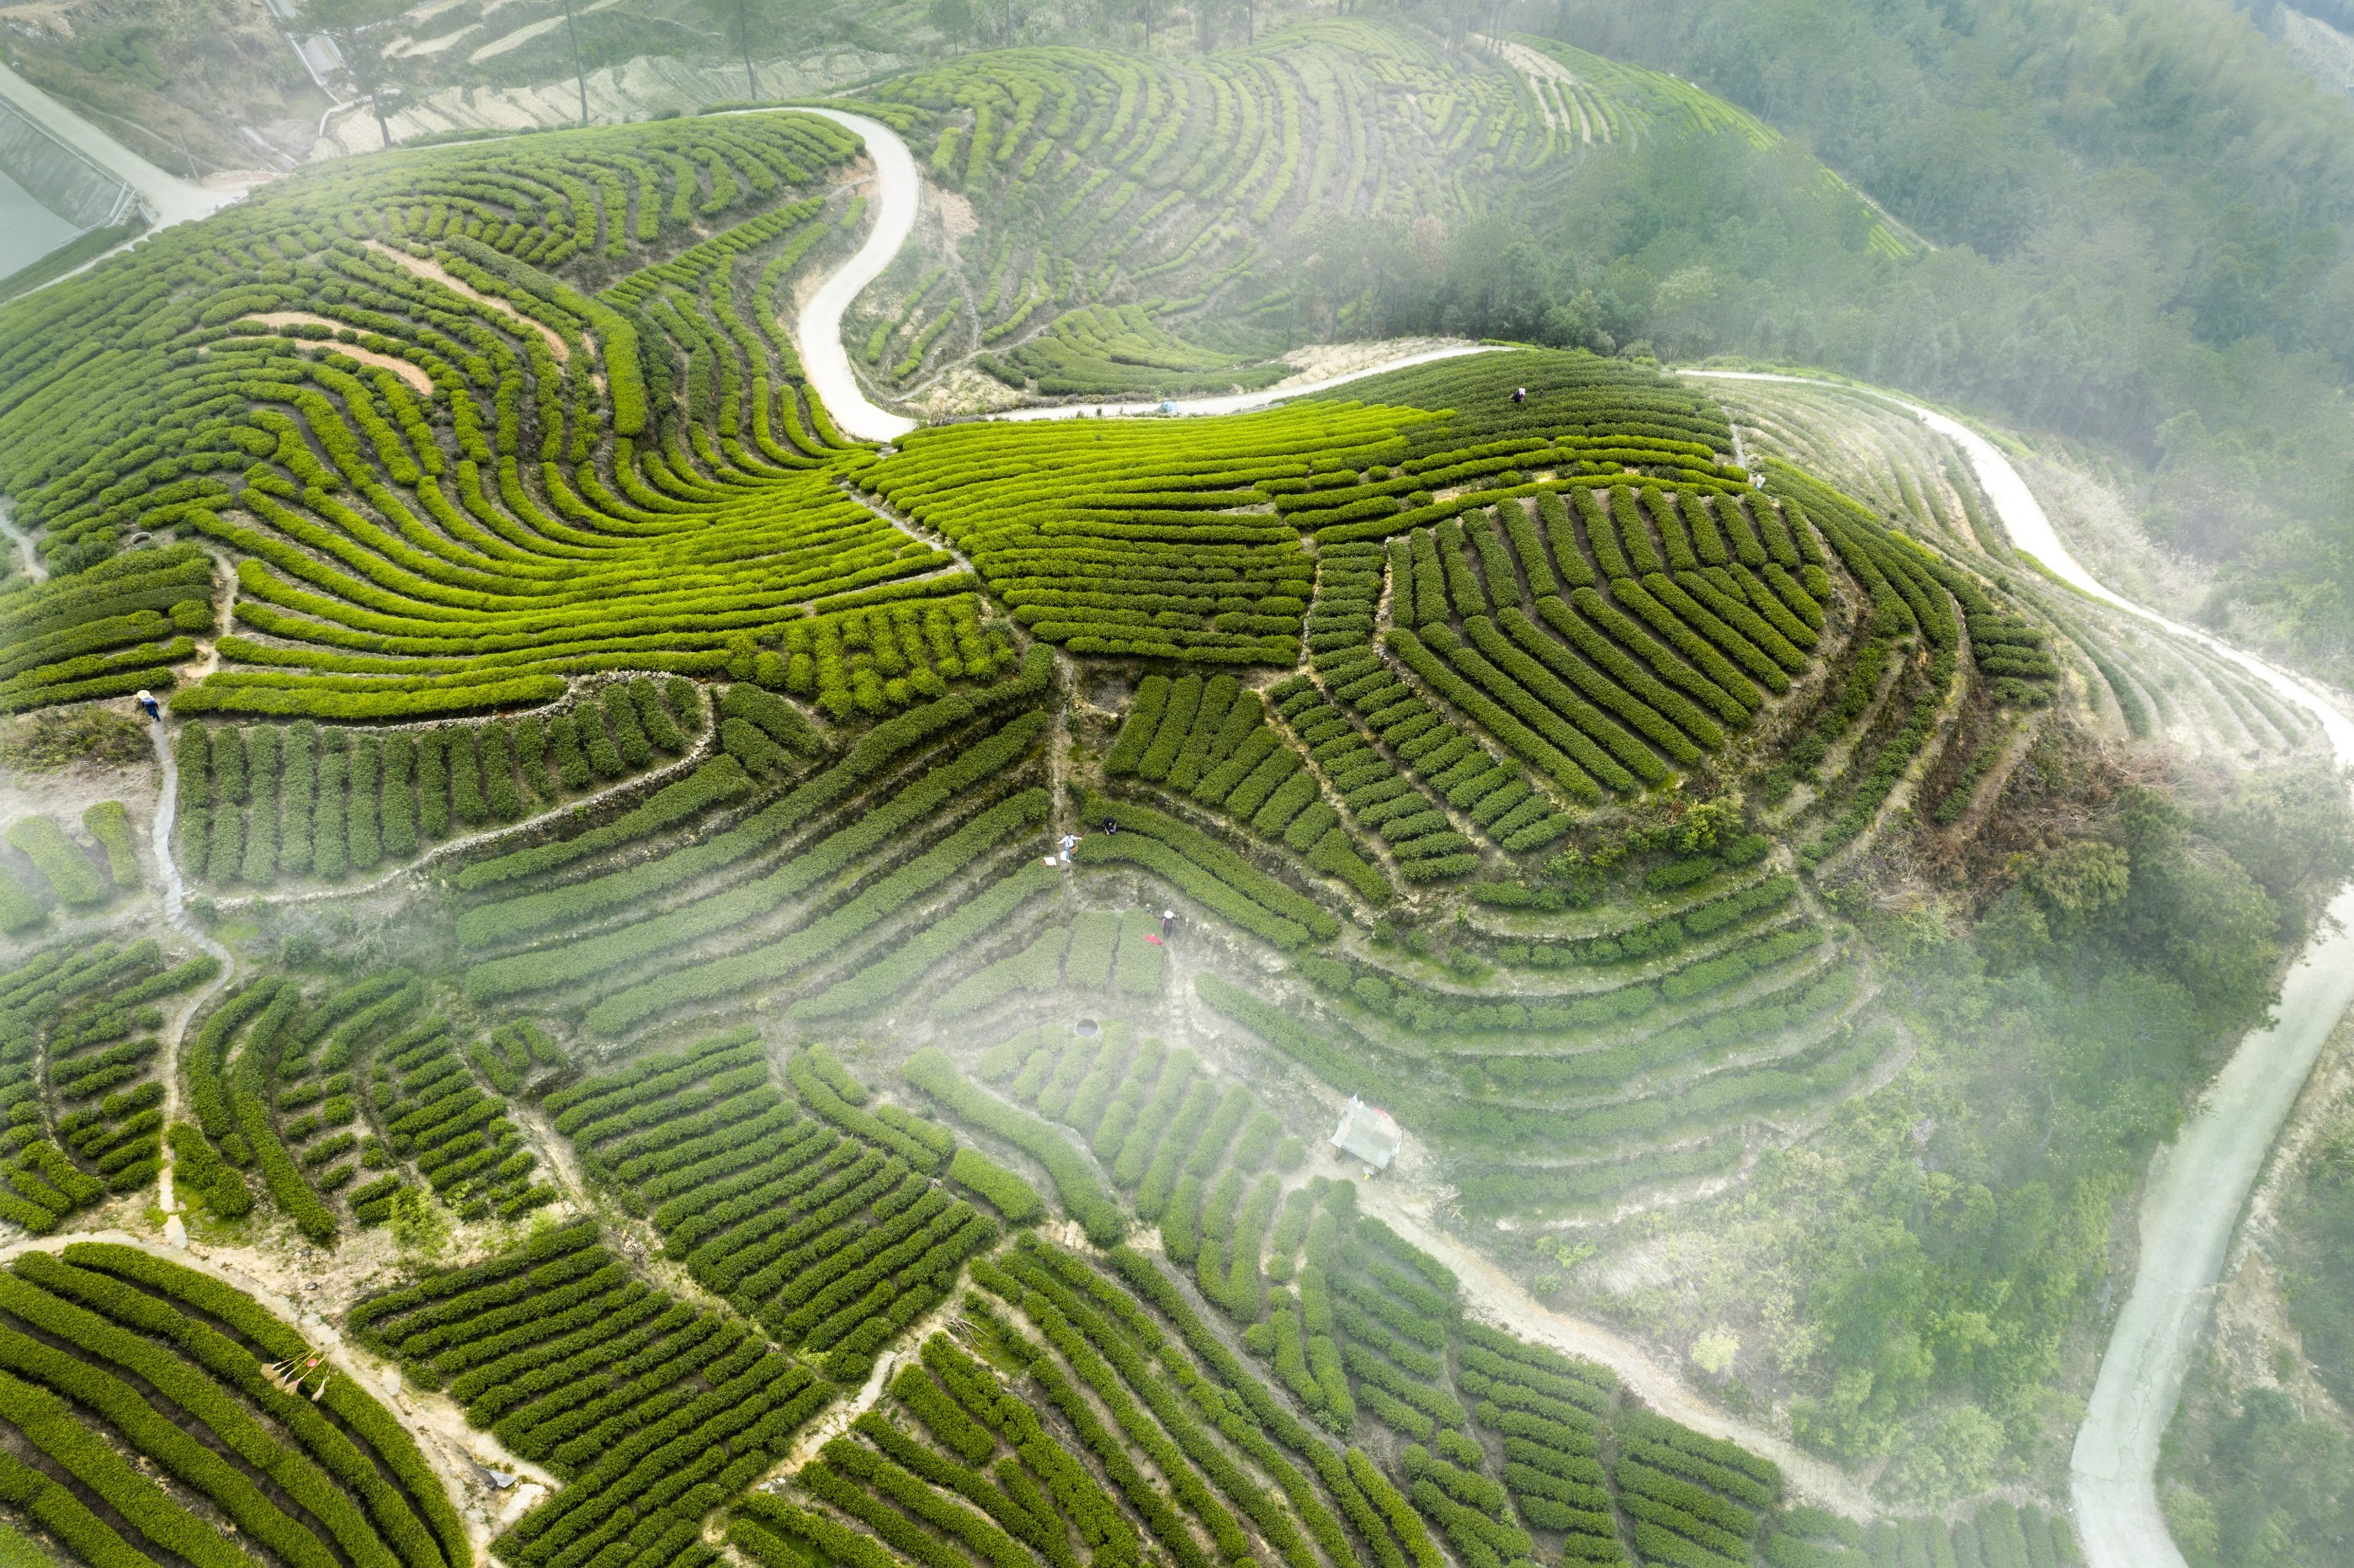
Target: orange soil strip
412,374
556,343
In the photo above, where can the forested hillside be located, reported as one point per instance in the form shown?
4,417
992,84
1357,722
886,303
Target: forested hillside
2142,216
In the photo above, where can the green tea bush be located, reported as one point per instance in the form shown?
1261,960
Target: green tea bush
717,783
108,822
1205,871
878,749
77,883
1009,1195
1083,1194
1142,959
651,1410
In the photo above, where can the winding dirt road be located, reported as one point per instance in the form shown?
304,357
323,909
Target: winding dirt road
1242,402
824,358
826,361
2199,1185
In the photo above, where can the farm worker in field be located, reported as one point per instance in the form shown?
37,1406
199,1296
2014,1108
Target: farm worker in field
1070,842
1519,395
147,704
1168,924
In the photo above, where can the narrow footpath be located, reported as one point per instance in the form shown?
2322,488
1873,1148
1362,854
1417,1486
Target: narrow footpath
168,874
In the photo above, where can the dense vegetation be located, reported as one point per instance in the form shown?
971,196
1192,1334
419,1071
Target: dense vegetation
2255,1463
1168,225
77,1052
455,470
264,802
2159,277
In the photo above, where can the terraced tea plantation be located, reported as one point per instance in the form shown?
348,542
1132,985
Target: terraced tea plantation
1039,1379
303,1463
263,802
456,462
732,992
1145,218
78,1070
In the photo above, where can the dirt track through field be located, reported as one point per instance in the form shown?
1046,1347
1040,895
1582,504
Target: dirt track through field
461,1456
2199,1185
28,559
1495,1297
167,873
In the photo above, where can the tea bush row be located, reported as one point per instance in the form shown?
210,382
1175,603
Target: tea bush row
830,1241
881,748
653,1412
1212,741
256,803
1451,765
81,1012
358,1476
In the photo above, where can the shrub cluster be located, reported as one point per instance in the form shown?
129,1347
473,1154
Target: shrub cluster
464,390
1652,938
1003,823
1009,1195
827,1088
1577,697
86,1005
951,935
1550,1410
1430,1009
717,783
108,629
1875,781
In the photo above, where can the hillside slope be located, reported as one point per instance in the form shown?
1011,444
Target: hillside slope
1113,224
1570,757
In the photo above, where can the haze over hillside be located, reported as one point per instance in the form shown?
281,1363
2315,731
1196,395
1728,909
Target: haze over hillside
1221,783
